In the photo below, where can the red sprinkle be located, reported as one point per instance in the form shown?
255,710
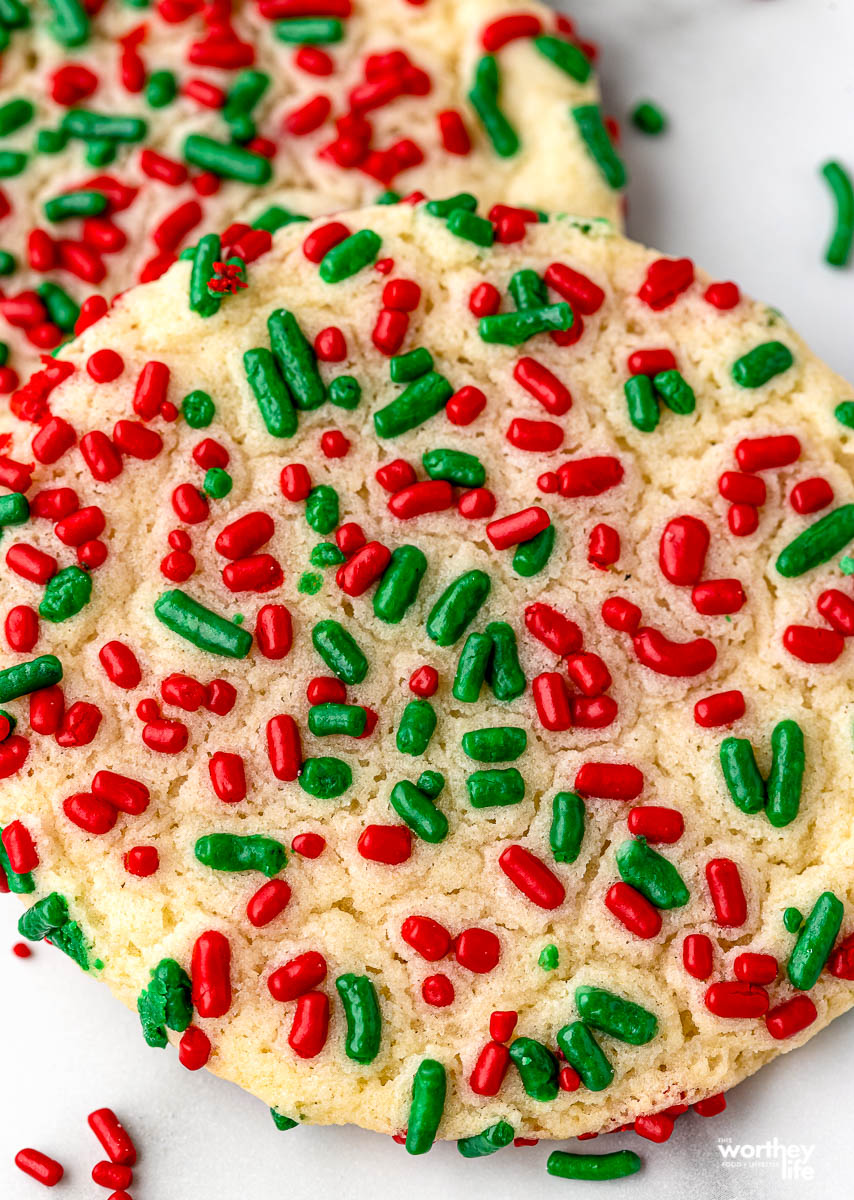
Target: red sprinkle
721,709
698,955
727,893
532,877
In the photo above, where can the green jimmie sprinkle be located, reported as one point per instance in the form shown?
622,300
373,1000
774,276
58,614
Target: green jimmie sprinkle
417,403
785,783
527,289
416,728
653,875
581,1050
19,884
325,778
495,788
403,368
457,607
494,1137
566,56
92,126
350,256
537,1067
297,360
313,31
498,743
166,1003
322,508
616,1165
327,719
459,468
271,393
817,544
362,1014
227,161
613,1014
66,594
741,775
399,585
471,667
70,24
339,651
594,134
429,1088
566,831
233,852
75,204
199,625
282,1122
514,328
760,365
484,98
416,809
839,248
207,252
815,941
31,676
504,674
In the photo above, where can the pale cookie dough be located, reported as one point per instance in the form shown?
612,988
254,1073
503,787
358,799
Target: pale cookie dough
347,907
335,125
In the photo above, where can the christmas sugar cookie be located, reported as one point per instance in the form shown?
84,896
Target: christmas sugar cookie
128,130
425,674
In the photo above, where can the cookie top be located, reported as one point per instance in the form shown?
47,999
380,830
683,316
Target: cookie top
128,133
434,630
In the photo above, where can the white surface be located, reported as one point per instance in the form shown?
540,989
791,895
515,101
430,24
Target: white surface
760,93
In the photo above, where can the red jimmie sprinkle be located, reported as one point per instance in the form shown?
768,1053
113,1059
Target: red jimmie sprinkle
39,1167
837,608
552,628
682,550
733,1000
532,877
194,1050
582,293
113,1136
427,937
489,1070
211,974
541,383
310,1026
297,976
721,709
283,747
589,476
718,597
767,453
269,902
507,29
651,362
477,950
813,645
518,527
633,911
610,781
790,1017
656,824
551,697
698,955
726,891
534,436
751,967
679,660
666,279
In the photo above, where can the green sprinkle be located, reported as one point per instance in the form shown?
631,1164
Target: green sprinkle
497,743
846,565
347,719
44,918
566,831
310,583
350,256
297,360
326,554
584,1054
844,413
588,119
14,509
339,651
208,251
198,409
817,544
815,942
512,329
322,509
793,919
19,884
12,163
345,391
244,94
70,24
616,1165
275,217
614,1015
228,162
484,100
420,400
8,266
167,1002
463,470
217,483
399,585
537,1067
51,141
472,667
566,56
527,289
653,875
403,368
457,607
362,1014
252,852
504,674
62,309
82,123
676,393
532,556
785,782
282,1122
761,364
415,807
428,1102
444,208
32,676
271,393
161,89
198,625
417,726
431,783
314,31
642,403
741,775
66,594
839,248
648,118
494,1137
14,14
100,152
388,197
495,788
471,228
14,115
549,957
325,778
